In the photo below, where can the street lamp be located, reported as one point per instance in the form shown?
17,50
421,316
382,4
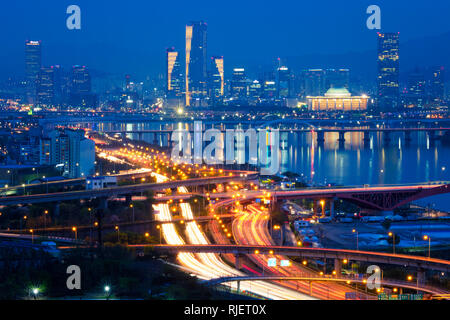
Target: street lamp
32,236
322,203
132,206
107,290
45,219
357,238
118,237
74,229
425,237
391,234
35,292
159,228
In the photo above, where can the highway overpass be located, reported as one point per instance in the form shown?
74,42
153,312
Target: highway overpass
406,261
380,198
123,190
347,280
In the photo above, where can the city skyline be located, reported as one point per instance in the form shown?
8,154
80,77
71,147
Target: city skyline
79,47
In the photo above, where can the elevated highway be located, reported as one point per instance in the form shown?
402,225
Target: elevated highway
314,253
347,280
123,190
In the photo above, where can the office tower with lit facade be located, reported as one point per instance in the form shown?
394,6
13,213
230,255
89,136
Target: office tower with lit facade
284,82
216,79
80,91
337,78
388,70
196,59
239,84
46,87
174,76
437,81
314,82
33,61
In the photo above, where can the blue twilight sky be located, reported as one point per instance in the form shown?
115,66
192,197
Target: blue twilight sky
131,36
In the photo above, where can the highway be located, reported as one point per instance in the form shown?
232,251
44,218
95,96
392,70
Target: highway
204,265
209,265
252,228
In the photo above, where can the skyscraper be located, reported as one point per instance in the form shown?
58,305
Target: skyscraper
284,82
174,76
33,61
80,93
196,74
337,78
239,84
217,78
314,82
388,70
46,87
437,84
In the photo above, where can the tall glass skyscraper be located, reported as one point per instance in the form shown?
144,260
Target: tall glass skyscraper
217,78
388,70
196,72
33,65
174,77
46,87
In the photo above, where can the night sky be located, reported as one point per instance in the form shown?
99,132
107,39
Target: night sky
131,36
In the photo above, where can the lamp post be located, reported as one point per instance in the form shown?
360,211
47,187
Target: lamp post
32,236
132,207
159,227
426,237
391,234
357,238
322,204
45,219
74,229
118,236
35,292
107,290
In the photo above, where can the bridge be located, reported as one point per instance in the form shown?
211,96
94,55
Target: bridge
339,255
379,198
122,190
310,279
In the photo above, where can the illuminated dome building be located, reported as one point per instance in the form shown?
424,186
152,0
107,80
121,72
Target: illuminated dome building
337,99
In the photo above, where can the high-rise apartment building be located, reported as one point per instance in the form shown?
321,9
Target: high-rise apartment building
70,150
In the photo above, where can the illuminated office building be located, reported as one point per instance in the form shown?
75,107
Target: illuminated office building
337,99
196,73
314,82
239,84
388,70
217,78
80,92
45,87
284,82
337,78
174,77
437,84
270,89
33,65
